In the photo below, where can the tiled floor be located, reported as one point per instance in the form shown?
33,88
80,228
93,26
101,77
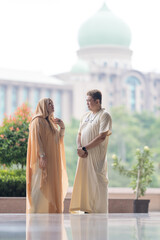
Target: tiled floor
85,226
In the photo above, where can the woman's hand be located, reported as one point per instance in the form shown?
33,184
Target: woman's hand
59,122
81,153
42,162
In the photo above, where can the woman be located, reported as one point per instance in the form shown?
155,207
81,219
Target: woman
47,180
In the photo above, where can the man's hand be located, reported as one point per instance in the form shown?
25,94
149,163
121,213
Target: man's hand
42,162
81,153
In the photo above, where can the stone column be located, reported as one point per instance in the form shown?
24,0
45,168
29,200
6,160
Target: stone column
31,98
9,99
42,93
53,95
20,96
66,106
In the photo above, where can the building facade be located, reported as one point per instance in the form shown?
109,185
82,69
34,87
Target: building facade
104,63
18,87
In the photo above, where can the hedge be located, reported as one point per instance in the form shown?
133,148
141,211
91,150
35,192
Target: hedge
12,183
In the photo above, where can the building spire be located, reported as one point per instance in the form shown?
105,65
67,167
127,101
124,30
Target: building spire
104,7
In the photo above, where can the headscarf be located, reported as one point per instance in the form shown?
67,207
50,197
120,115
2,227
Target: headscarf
41,111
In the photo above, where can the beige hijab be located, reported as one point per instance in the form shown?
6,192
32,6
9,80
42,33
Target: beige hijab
41,111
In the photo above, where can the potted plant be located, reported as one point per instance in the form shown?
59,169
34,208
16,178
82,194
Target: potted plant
141,175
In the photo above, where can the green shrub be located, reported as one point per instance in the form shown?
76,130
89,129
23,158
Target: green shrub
12,183
140,173
14,137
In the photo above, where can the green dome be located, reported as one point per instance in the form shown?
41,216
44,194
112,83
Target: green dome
104,28
81,67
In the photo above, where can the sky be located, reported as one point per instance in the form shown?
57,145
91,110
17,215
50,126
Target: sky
41,35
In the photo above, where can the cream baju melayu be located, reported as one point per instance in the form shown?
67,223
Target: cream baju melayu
91,181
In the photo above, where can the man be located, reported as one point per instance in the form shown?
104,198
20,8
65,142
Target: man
91,182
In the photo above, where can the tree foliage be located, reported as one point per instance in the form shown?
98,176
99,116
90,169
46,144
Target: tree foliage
71,149
140,173
14,137
130,131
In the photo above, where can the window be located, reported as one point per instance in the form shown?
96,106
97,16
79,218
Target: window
125,66
25,94
105,64
36,97
101,76
133,106
2,101
110,104
123,92
111,78
48,93
133,94
116,65
58,104
155,98
155,83
133,82
141,94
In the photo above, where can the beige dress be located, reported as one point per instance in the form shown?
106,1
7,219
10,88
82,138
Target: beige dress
91,181
46,188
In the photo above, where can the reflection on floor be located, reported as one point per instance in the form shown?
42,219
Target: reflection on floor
84,226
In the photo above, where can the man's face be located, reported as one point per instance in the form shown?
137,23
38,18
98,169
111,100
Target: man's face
91,103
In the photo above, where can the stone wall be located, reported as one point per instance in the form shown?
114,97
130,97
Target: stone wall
120,201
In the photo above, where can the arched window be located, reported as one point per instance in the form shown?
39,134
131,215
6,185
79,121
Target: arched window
133,82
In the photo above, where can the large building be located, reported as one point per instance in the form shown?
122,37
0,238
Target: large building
104,62
17,87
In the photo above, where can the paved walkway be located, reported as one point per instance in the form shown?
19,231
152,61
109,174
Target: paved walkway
80,226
